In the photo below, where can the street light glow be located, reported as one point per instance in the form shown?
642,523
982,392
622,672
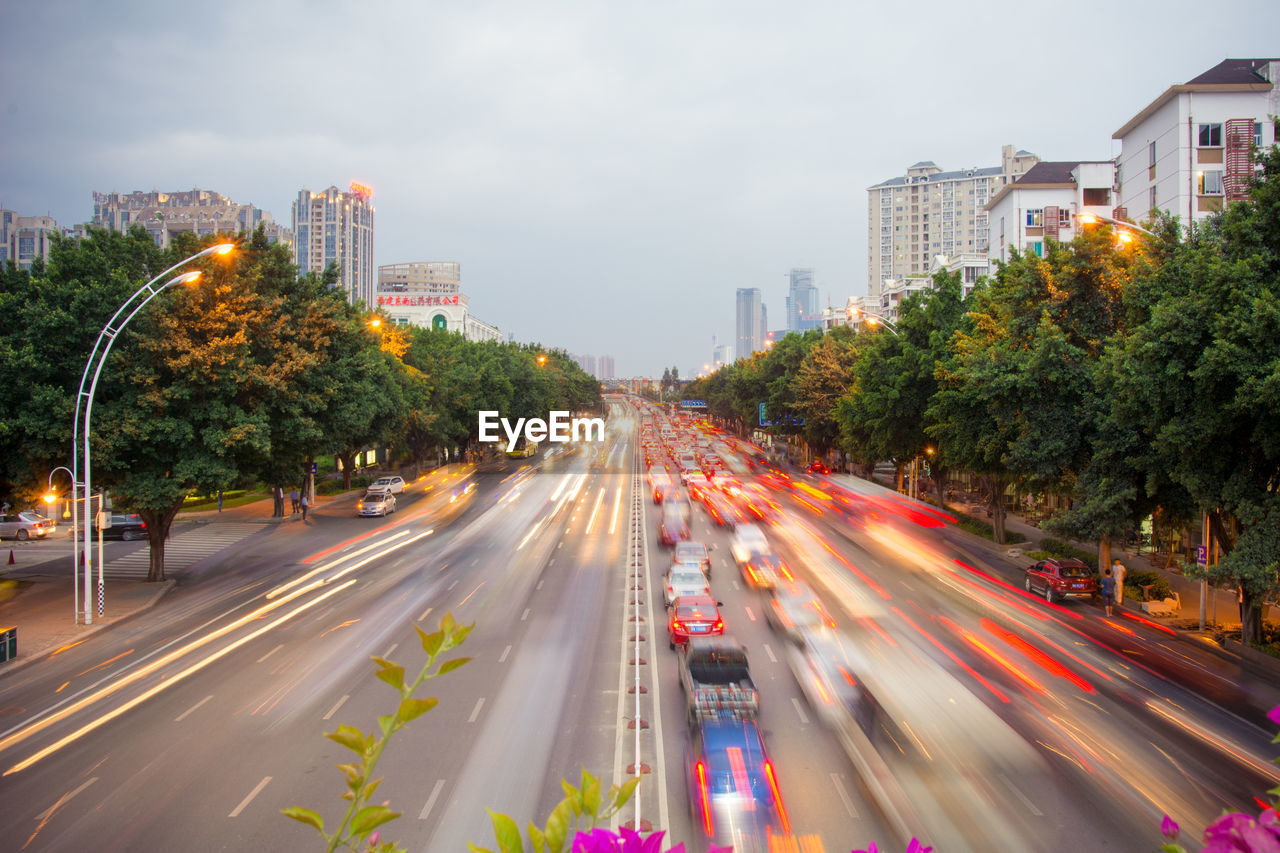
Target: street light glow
223,248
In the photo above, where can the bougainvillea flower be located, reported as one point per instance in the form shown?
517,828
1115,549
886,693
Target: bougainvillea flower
1169,827
1240,833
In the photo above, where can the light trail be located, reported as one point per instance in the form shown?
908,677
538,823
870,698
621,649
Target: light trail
595,509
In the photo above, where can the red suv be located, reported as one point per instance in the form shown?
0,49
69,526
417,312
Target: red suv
1060,578
694,616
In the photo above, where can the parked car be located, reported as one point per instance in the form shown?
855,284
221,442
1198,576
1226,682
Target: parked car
1061,578
395,485
733,789
376,503
693,615
50,525
22,527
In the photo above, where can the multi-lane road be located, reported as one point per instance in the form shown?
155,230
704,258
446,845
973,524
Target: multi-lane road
1017,725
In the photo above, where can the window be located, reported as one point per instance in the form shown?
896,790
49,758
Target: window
1064,217
1210,183
1257,134
1211,136
1099,196
1035,218
1153,204
1151,156
1038,248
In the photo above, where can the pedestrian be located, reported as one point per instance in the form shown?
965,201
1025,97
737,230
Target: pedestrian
304,504
219,500
1108,589
1117,571
293,496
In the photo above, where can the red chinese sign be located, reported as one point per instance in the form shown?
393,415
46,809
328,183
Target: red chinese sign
418,300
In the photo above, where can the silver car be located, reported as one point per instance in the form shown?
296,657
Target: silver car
376,503
23,526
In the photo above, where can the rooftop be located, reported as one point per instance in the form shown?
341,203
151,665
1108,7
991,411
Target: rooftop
1229,75
959,174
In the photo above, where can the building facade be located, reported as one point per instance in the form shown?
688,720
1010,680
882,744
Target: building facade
1190,150
1046,203
929,212
607,368
203,213
429,294
750,322
336,227
25,238
802,301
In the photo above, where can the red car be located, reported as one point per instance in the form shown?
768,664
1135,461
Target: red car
817,466
694,616
1060,578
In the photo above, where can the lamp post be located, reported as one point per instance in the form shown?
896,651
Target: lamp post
873,319
1123,228
92,371
50,498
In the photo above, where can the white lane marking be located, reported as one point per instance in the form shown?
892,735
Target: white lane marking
613,523
844,796
551,561
474,560
431,800
524,615
245,802
768,651
425,614
804,718
191,710
561,545
505,652
388,652
270,653
336,706
65,798
1031,807
595,509
737,586
476,713
539,586
750,615
451,586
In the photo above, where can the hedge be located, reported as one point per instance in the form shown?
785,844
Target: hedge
983,528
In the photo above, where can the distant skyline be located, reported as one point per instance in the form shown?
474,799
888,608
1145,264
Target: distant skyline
607,175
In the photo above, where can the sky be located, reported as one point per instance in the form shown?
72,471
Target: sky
607,174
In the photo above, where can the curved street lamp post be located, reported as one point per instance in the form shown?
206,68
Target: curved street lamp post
97,358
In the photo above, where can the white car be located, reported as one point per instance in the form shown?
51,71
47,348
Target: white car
684,579
748,539
394,485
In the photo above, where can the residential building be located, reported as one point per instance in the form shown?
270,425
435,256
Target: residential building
607,368
25,238
336,227
1045,203
1190,149
929,212
802,301
429,294
750,322
166,214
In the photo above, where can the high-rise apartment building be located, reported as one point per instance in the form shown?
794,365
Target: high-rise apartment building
336,227
607,369
750,321
929,212
165,215
25,238
1190,149
802,302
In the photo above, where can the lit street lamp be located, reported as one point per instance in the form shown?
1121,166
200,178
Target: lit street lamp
1123,229
873,319
97,358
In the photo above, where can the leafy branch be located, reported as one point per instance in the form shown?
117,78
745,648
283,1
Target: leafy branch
586,804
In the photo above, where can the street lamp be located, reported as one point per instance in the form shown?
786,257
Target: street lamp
97,358
873,319
1123,235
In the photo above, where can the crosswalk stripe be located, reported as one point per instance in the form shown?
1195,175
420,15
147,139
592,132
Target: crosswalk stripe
181,551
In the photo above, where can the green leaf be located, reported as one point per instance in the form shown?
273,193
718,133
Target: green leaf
411,709
590,794
538,840
506,833
352,772
625,792
447,623
472,848
370,818
305,816
371,788
386,722
459,636
391,673
558,826
430,642
351,738
451,665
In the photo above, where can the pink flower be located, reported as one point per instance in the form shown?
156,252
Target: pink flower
1274,715
1240,833
872,848
917,846
1169,828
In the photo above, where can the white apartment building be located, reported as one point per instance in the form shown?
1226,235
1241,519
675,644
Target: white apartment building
1045,203
429,294
929,212
25,238
336,227
166,214
1189,150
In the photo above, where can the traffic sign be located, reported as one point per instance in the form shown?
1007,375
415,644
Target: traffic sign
694,404
311,468
1202,555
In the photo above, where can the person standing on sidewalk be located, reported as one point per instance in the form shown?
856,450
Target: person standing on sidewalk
219,500
304,503
1108,589
1117,571
293,496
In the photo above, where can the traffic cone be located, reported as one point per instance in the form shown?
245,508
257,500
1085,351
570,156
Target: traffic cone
11,560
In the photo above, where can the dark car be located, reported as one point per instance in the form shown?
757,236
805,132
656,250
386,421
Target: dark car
693,552
126,526
733,790
1061,578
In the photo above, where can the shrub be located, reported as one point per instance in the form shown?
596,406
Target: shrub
983,528
1135,580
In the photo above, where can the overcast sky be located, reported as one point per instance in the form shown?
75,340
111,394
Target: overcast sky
608,174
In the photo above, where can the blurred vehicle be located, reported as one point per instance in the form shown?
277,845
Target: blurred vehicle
764,570
376,503
124,526
50,524
698,485
817,466
693,615
660,483
1061,578
723,511
673,528
716,679
830,674
794,608
684,579
748,539
395,485
733,790
22,526
693,552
